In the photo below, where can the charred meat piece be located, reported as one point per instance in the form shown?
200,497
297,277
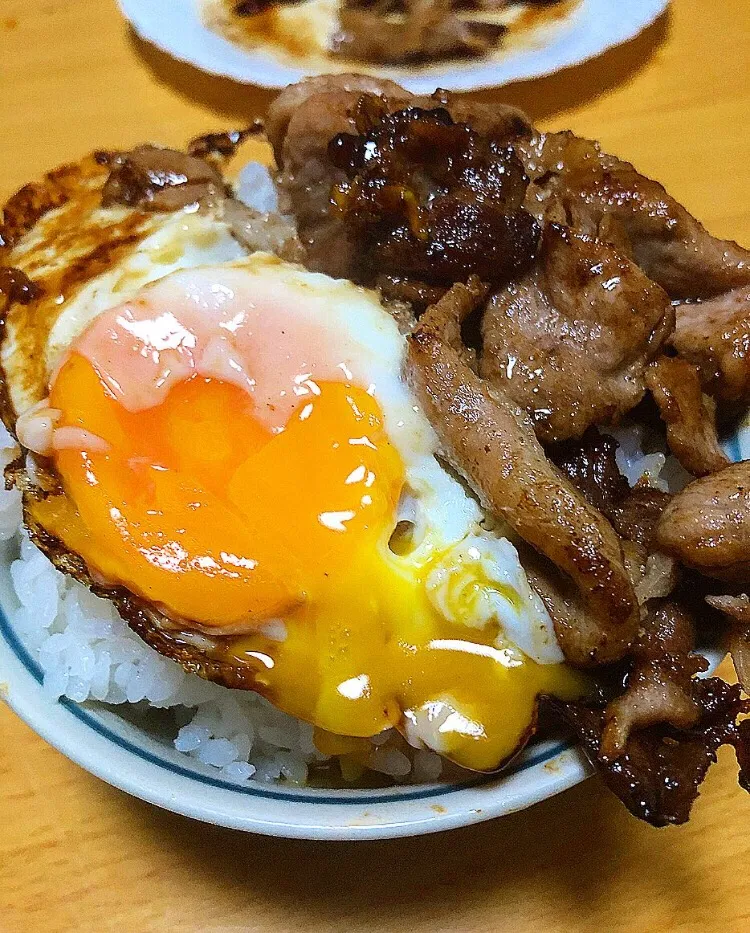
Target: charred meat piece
423,30
660,685
401,288
490,441
157,179
301,123
658,775
671,247
577,626
570,341
689,416
431,199
737,610
636,515
715,335
307,96
668,243
707,525
154,179
222,145
591,466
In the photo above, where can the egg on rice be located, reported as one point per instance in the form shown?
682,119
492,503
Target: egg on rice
224,446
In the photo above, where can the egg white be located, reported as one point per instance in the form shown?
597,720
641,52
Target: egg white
183,240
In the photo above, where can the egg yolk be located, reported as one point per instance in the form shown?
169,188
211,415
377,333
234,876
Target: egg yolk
198,507
275,537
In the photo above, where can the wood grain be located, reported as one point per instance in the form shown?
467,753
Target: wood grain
76,854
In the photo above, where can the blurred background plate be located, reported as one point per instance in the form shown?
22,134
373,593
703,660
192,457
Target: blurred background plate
586,29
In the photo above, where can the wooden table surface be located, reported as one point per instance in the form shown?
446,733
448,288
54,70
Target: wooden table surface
76,854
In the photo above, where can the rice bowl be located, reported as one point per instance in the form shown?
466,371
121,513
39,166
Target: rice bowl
138,756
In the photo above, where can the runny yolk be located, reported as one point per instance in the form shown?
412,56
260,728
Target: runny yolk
197,506
230,522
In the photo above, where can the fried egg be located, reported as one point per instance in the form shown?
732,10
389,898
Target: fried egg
235,443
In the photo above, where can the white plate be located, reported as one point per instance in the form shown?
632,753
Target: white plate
176,27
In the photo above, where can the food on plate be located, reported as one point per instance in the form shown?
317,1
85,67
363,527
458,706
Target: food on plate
393,456
383,32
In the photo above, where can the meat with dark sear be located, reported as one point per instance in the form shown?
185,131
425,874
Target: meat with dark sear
715,336
490,441
707,525
306,117
591,466
155,179
570,341
668,243
158,179
658,775
431,199
576,626
295,99
660,685
689,416
221,146
300,124
498,121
